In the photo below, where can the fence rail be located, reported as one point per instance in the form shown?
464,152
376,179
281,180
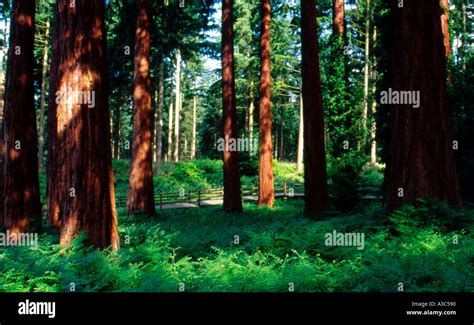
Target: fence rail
207,196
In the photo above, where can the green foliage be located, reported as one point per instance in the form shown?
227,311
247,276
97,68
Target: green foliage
276,247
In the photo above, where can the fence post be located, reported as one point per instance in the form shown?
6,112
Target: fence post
285,189
199,198
161,201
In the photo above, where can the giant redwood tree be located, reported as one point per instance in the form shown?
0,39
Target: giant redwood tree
232,188
266,192
21,200
140,193
421,160
338,17
81,170
315,178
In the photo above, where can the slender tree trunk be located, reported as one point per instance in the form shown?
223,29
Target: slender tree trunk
43,97
316,193
338,17
251,113
116,132
232,188
81,173
366,68
445,27
421,162
464,35
159,118
169,153
299,152
21,200
140,193
373,129
193,143
177,105
266,192
282,130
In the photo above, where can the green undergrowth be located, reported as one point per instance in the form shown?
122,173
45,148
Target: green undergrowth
428,249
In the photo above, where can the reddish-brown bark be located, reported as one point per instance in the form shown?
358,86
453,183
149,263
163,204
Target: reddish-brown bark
21,200
316,193
445,27
421,160
266,192
80,176
140,194
338,17
232,188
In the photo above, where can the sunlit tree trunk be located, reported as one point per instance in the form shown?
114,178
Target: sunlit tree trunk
140,192
169,152
445,28
83,199
266,192
250,120
421,160
316,193
299,152
373,129
21,200
43,97
193,142
159,118
338,17
116,132
232,188
177,106
366,66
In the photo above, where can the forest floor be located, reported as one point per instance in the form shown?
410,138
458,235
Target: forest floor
429,248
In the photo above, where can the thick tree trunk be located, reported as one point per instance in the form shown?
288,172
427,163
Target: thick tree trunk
140,193
445,28
299,152
21,200
316,193
266,192
177,106
193,142
232,188
43,97
169,153
421,162
2,105
159,118
81,179
338,17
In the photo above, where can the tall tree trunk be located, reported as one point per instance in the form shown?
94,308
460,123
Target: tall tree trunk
282,130
140,193
193,142
159,118
421,162
232,188
366,68
464,35
299,152
266,192
81,174
251,113
43,97
169,153
116,132
2,105
316,193
177,106
21,200
338,17
445,27
373,129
